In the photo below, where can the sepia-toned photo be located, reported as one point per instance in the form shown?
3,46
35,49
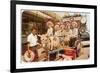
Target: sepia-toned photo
54,36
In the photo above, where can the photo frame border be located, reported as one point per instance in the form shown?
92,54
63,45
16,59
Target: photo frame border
13,35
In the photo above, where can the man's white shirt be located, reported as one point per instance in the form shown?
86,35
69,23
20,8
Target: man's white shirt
32,39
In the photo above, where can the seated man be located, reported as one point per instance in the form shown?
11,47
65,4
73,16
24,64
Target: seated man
32,38
33,41
74,35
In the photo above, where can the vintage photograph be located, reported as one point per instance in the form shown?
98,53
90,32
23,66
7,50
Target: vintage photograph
54,35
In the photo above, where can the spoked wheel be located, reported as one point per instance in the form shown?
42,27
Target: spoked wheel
29,56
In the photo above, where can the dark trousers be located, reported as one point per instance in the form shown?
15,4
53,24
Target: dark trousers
72,41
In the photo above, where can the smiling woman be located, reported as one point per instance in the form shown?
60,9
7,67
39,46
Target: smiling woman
46,38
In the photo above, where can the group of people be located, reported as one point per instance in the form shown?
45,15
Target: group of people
59,35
